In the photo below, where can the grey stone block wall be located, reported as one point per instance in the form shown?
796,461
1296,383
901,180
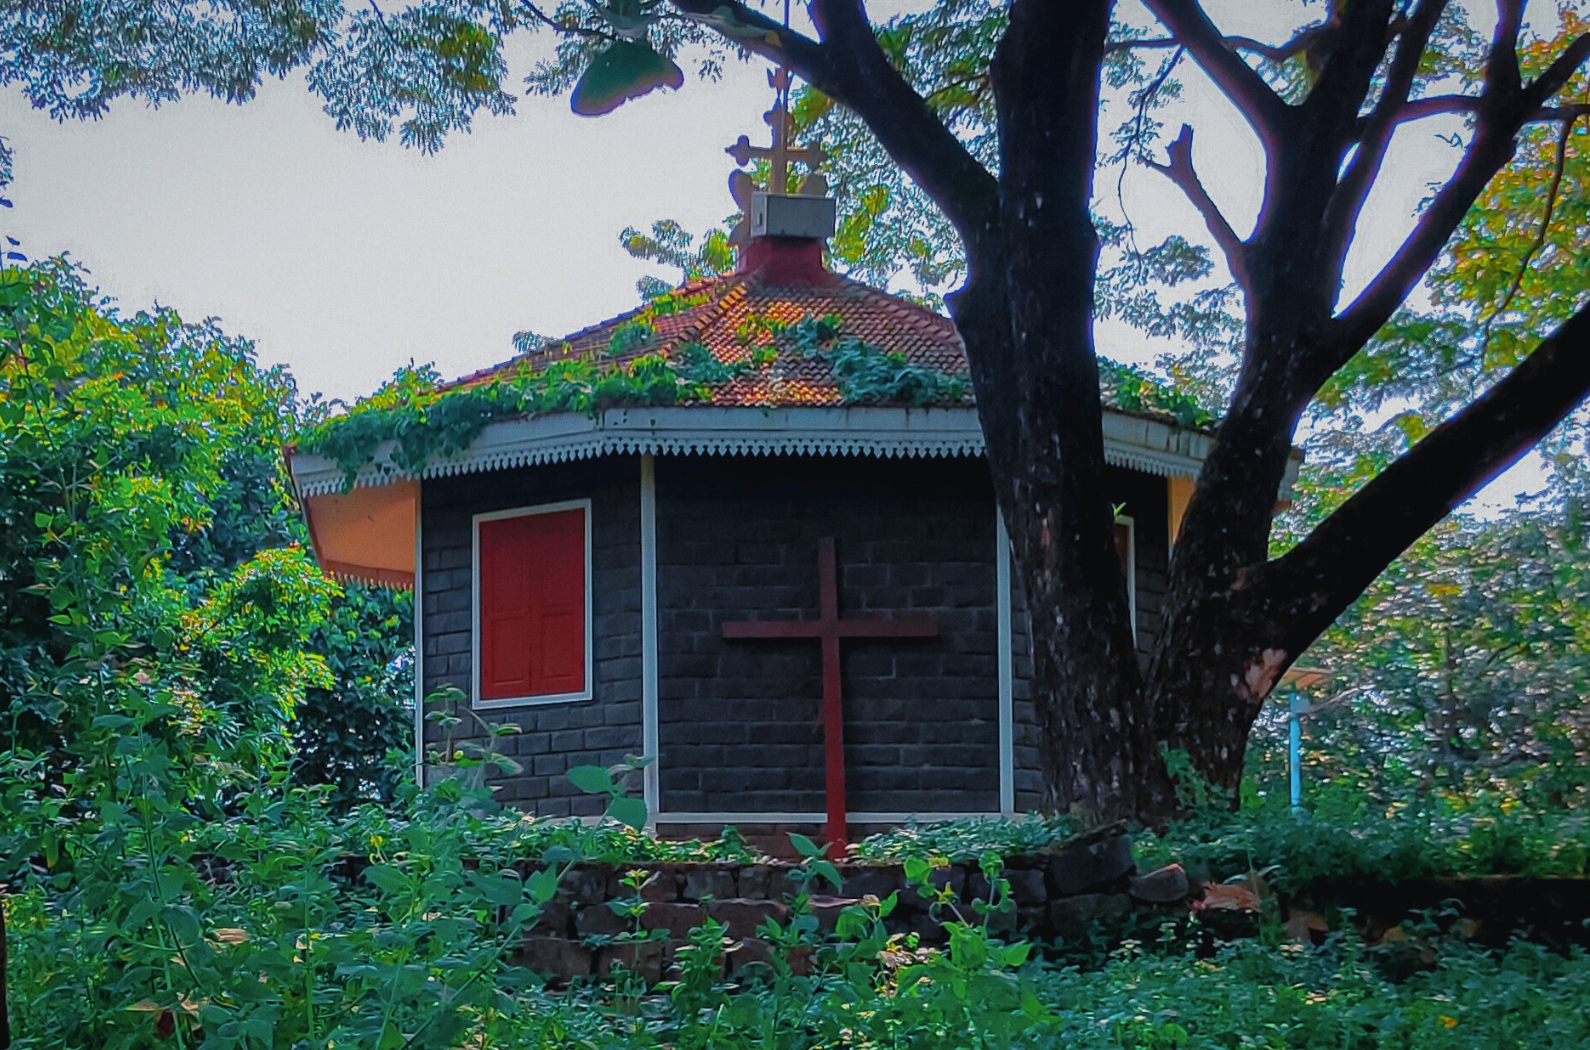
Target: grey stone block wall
553,737
737,540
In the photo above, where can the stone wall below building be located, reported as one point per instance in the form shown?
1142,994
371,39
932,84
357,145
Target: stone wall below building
1059,895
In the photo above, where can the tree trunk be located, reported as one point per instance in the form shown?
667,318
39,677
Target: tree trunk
1026,316
1212,668
1097,747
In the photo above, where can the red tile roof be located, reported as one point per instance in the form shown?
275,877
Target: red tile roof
721,313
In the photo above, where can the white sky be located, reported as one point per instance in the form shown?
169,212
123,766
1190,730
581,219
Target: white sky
345,259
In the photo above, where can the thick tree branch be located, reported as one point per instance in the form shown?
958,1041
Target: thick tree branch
1500,113
1191,27
1502,74
1303,591
1556,76
1346,57
568,29
756,32
1180,171
1347,202
850,67
1440,105
905,124
1300,43
1274,52
1134,44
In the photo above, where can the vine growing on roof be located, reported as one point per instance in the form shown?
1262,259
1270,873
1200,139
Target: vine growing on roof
1131,389
868,375
426,421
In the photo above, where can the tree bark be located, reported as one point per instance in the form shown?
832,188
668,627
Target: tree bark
1026,315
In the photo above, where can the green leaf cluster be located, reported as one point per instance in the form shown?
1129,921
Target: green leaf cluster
866,374
967,838
1131,389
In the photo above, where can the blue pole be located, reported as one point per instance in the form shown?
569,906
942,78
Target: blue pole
1296,707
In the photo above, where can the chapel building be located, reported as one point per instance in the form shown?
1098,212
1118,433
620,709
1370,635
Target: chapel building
689,582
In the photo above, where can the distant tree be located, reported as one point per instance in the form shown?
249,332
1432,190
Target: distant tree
992,111
173,425
672,245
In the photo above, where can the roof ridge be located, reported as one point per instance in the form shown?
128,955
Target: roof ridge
491,370
708,311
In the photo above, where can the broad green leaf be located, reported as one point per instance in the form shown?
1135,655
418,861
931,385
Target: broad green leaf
388,879
826,870
391,1038
623,70
805,846
543,885
183,924
141,912
591,779
503,889
630,811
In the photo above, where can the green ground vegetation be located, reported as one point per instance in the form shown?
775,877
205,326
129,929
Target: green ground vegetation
199,850
209,834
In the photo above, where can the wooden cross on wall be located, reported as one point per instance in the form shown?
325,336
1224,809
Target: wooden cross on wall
829,629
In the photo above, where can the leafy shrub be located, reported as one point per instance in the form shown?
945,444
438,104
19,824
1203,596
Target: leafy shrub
1347,835
966,838
1341,997
141,479
356,733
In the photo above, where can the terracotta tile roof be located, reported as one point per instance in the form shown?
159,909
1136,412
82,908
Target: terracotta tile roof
722,314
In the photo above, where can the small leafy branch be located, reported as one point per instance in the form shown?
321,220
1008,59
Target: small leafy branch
468,755
596,780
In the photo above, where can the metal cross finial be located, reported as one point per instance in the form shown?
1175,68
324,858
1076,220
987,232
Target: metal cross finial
780,154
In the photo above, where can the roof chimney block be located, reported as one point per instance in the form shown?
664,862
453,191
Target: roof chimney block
792,215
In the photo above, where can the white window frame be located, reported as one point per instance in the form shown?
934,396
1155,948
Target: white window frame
1131,567
474,610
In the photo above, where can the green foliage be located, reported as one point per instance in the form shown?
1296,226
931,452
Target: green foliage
1346,835
967,838
74,58
670,244
425,422
141,458
424,70
1131,389
357,732
696,362
595,780
134,506
866,374
1341,997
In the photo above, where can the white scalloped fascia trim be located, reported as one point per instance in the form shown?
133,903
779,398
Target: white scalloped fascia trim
1129,441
